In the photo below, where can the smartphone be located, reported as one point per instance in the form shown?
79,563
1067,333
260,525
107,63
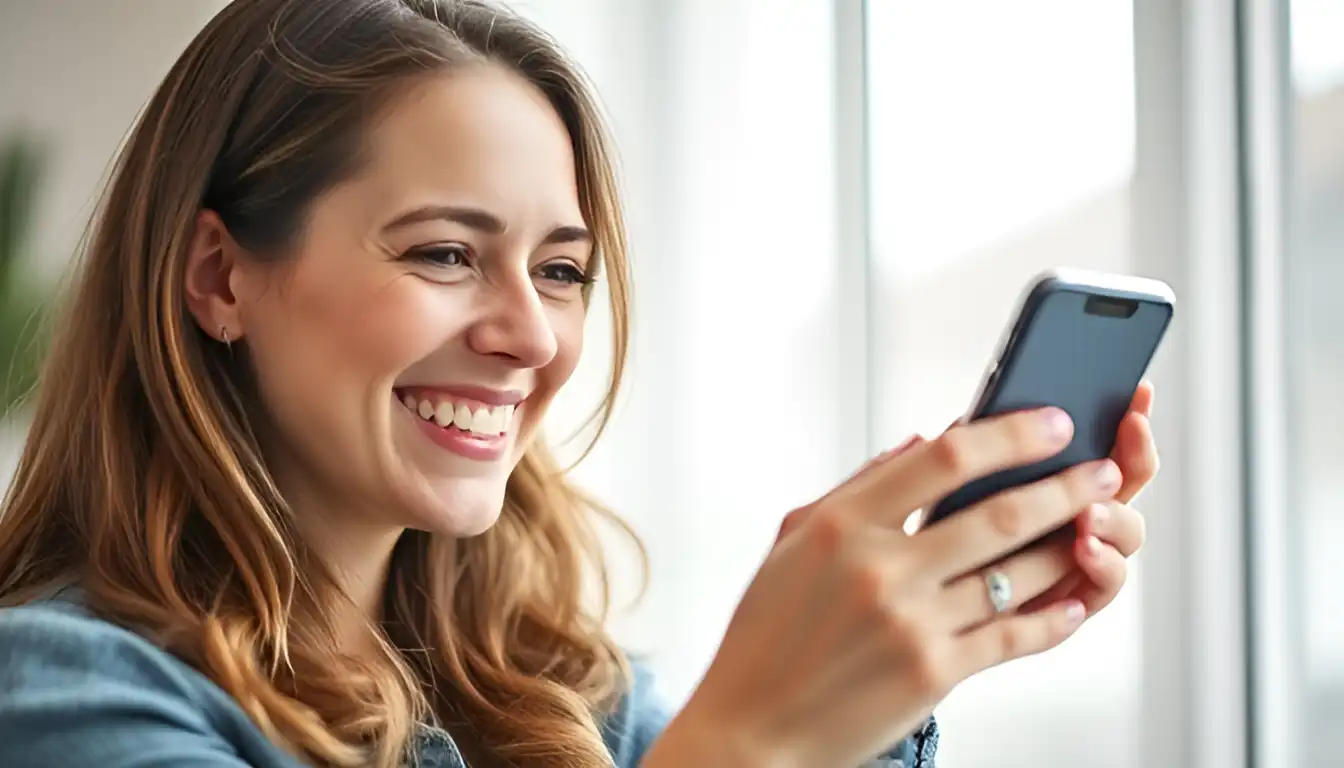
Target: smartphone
1080,341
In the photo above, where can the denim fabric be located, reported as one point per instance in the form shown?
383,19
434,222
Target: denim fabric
79,691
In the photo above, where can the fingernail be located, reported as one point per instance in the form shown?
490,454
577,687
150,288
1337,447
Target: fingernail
1058,425
1075,613
1108,476
1093,546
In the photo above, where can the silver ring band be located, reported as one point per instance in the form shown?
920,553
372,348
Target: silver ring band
1000,590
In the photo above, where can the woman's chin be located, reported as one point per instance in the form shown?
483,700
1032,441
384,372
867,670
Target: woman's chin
461,508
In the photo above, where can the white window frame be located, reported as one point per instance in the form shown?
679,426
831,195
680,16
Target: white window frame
1187,231
854,247
1276,656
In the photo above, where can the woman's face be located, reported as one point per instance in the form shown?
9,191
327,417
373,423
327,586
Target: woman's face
410,347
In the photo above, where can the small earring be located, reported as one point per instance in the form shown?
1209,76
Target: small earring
224,334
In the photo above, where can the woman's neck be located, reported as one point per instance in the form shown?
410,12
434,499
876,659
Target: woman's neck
356,552
359,561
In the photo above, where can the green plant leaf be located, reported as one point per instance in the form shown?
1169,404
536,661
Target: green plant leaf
21,326
20,175
22,344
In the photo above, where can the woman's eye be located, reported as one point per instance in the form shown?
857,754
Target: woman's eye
444,256
564,272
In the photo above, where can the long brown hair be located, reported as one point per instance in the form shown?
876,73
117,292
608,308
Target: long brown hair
143,482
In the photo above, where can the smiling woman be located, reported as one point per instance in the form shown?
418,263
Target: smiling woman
386,204
456,269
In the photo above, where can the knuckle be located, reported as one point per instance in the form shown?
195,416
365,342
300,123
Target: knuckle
868,586
1140,532
1018,639
1008,515
794,519
914,648
828,531
930,670
952,452
925,655
902,628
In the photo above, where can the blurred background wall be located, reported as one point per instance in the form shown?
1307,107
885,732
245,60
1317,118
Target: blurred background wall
823,310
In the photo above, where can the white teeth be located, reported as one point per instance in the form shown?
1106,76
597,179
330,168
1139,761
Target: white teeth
443,415
484,421
462,418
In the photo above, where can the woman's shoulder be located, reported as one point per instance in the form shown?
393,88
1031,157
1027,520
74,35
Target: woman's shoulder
58,642
59,638
80,690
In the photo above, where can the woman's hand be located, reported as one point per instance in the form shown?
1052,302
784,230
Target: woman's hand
1111,532
852,631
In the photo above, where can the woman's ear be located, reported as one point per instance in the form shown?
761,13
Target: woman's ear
212,260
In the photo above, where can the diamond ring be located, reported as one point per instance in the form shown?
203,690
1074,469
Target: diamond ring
1000,590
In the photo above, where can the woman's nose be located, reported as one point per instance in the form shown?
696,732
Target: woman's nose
515,325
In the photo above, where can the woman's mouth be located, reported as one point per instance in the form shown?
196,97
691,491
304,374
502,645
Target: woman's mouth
473,418
461,425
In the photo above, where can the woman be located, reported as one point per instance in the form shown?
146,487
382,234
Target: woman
284,498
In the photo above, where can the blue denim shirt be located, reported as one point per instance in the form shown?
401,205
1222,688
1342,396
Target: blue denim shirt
78,691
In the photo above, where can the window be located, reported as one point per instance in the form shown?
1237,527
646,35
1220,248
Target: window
1315,350
1002,144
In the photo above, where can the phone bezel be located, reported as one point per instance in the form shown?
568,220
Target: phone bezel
1107,284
